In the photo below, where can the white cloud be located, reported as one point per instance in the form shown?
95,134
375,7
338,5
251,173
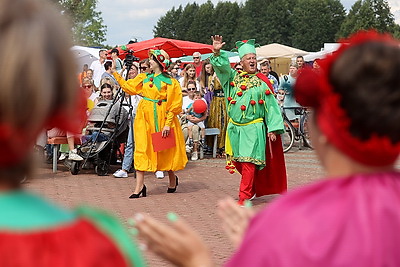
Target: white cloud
146,13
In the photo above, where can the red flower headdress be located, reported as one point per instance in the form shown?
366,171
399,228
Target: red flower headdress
313,89
17,143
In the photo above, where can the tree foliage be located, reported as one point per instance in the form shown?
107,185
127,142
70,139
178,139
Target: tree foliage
304,24
368,14
316,23
86,23
226,13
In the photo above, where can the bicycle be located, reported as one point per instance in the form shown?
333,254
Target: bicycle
296,130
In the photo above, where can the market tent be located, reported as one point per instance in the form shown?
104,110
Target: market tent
84,55
278,50
174,48
329,48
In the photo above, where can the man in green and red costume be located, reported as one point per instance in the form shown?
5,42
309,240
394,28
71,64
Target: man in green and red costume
253,145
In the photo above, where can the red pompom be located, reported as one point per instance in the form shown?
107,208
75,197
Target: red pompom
243,87
199,106
239,93
232,84
151,79
267,92
260,101
252,102
307,89
243,107
231,171
227,167
151,85
233,102
229,99
159,102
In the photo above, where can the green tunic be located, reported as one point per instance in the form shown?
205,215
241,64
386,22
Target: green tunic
253,111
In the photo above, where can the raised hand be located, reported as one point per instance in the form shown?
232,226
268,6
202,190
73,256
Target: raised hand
217,43
176,242
235,219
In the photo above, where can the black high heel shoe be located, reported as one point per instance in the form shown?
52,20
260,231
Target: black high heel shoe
172,190
142,192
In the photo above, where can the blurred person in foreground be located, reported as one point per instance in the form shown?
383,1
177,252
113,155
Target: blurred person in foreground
34,231
352,217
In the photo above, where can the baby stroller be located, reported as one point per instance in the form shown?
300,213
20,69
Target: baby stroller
107,128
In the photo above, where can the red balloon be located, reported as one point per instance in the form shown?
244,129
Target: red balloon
199,106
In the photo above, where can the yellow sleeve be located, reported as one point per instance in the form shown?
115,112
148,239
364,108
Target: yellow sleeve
174,101
131,86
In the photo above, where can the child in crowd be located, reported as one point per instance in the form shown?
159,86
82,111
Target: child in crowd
191,111
280,97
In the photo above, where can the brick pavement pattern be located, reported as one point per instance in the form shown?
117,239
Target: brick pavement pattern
201,184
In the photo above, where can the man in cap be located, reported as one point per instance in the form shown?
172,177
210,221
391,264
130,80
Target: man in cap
253,145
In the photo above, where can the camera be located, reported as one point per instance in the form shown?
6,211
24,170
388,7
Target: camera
130,58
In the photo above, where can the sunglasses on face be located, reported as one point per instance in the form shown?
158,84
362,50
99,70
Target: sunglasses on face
191,89
143,68
87,86
176,68
196,57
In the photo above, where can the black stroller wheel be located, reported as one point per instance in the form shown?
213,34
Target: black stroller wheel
101,169
75,166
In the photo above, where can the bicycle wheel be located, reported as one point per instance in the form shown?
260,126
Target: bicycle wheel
288,136
305,130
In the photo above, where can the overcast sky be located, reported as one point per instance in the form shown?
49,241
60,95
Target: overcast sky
128,19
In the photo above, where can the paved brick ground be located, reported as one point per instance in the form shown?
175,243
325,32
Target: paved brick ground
201,185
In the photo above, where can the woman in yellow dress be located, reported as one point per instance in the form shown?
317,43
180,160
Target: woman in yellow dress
157,111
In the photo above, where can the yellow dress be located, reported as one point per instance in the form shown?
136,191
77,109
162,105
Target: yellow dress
161,103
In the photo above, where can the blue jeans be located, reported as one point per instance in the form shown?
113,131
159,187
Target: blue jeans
128,154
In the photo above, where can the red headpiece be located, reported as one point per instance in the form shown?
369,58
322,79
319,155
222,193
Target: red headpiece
313,89
16,143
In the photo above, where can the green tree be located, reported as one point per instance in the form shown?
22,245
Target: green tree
316,22
368,14
251,23
87,24
184,21
167,25
202,26
279,22
226,16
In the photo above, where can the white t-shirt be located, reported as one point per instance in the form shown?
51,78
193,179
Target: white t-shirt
186,101
98,70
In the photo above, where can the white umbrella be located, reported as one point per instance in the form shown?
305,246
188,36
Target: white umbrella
85,55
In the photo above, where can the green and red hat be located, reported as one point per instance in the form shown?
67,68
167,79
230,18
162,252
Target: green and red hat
162,58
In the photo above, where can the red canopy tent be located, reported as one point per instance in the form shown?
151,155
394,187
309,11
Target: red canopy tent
174,48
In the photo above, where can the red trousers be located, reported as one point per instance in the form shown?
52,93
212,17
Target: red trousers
249,172
270,180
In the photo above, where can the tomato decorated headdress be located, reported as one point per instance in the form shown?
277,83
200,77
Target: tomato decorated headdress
314,89
162,57
245,47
